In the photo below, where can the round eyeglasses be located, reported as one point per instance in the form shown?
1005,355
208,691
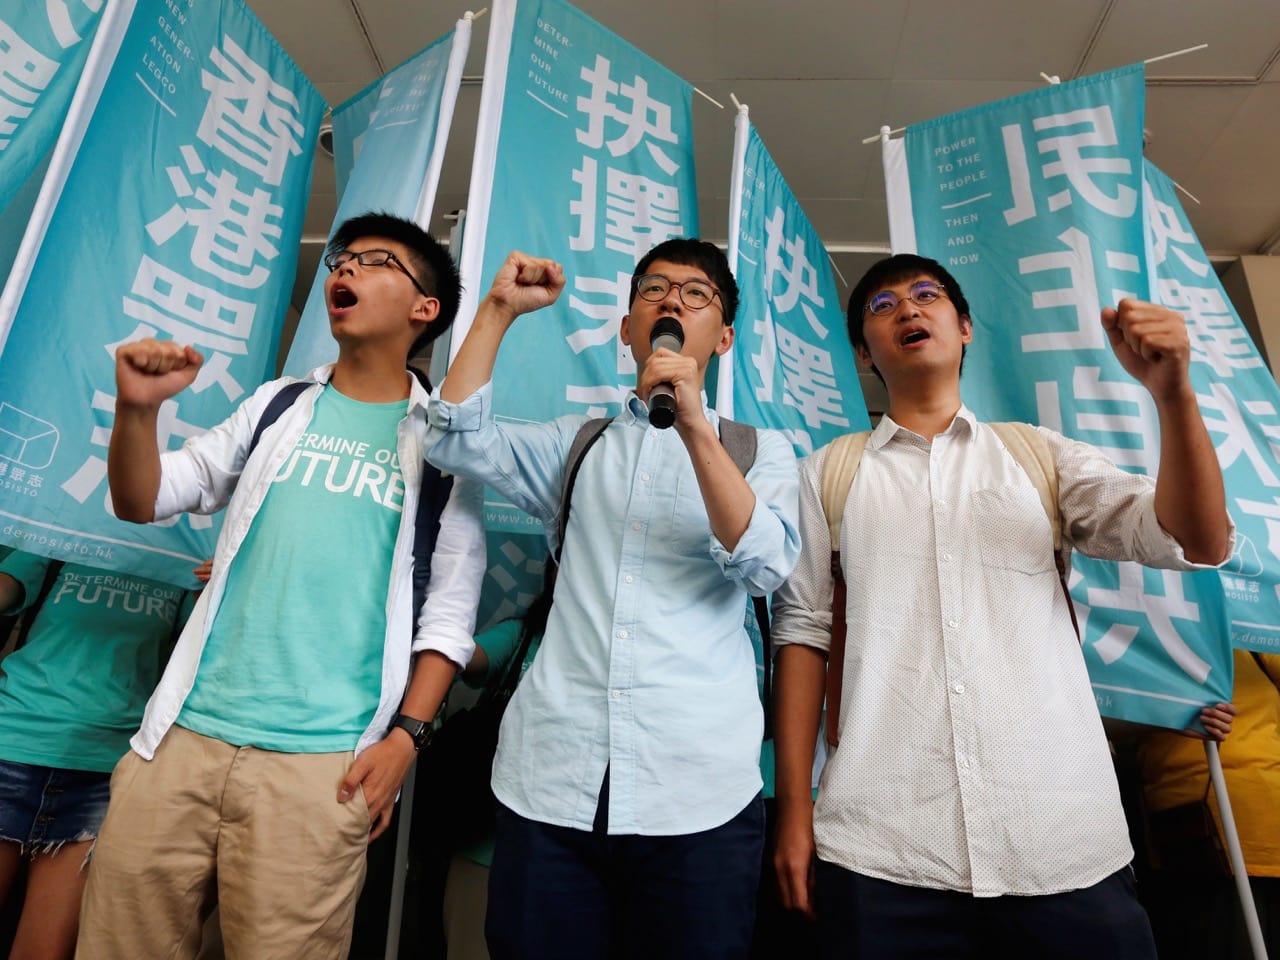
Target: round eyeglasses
694,294
371,258
922,293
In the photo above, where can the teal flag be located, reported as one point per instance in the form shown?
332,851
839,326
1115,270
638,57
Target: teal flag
584,154
1241,406
180,219
792,366
388,144
1036,205
43,47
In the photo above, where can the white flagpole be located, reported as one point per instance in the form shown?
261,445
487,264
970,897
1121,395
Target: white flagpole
449,99
1233,850
484,160
741,130
102,54
897,193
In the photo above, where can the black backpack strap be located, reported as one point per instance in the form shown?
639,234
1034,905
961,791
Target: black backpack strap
281,402
29,615
588,434
433,497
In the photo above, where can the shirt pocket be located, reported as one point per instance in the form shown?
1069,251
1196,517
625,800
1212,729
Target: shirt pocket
1012,530
690,529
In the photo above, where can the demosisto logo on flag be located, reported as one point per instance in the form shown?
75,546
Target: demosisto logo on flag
180,220
1035,203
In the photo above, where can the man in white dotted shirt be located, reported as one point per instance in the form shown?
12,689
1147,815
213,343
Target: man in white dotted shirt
971,809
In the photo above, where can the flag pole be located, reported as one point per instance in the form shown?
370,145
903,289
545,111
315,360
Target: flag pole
1233,850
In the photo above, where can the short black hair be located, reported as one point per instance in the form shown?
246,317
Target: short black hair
692,252
430,262
893,270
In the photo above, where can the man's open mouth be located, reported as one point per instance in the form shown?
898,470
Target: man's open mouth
342,297
914,336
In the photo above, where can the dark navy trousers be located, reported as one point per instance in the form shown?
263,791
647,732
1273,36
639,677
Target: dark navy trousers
556,892
865,918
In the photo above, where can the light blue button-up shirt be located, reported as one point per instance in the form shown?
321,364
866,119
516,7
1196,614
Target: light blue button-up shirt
645,667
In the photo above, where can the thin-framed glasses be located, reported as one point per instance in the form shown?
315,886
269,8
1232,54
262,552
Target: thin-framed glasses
371,258
694,294
922,293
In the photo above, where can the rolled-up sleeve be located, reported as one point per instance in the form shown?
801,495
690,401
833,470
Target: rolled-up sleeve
802,605
447,620
768,548
201,476
523,462
1109,513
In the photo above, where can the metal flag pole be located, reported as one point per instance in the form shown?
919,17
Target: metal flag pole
1233,850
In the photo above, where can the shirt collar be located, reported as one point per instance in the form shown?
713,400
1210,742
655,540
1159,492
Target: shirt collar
965,422
634,410
418,396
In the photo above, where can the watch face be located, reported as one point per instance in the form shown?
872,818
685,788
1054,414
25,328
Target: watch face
417,729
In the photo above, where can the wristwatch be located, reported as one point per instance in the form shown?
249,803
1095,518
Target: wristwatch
419,730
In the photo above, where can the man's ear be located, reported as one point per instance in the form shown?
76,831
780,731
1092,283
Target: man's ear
624,331
966,330
726,339
863,355
425,309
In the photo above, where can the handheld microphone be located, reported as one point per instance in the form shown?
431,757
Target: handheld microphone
668,333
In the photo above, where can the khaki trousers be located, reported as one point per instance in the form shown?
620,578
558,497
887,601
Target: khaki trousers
260,833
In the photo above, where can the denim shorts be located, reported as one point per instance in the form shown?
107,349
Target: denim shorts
42,807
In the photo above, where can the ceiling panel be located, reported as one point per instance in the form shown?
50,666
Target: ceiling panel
851,40
1139,29
819,76
323,37
1185,123
993,39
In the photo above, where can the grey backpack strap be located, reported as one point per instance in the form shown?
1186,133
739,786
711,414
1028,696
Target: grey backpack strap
588,434
739,439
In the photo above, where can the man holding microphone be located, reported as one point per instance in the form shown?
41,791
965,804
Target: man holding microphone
628,765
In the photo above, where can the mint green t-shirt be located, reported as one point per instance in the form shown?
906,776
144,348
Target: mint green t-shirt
73,695
293,661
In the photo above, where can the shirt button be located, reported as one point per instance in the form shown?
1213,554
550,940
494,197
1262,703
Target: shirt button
644,477
953,623
629,578
635,526
622,634
947,557
958,688
616,694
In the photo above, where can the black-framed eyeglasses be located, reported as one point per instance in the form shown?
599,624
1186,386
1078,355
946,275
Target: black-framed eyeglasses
694,294
371,258
922,293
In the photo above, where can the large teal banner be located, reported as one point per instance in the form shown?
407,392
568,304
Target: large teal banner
180,219
1036,205
1241,407
584,154
792,366
43,47
388,142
